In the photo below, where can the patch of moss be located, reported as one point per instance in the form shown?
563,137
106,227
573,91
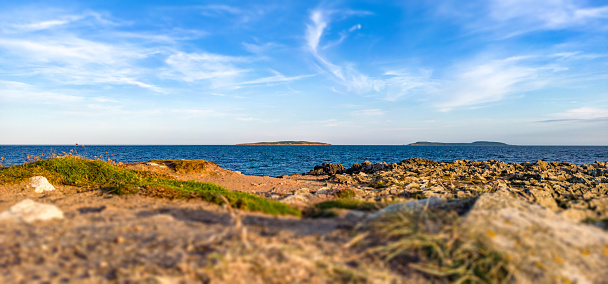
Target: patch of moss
94,173
380,185
327,209
345,193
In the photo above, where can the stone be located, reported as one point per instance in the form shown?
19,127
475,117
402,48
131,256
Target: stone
421,204
29,211
577,214
295,199
327,169
544,198
542,246
323,190
40,184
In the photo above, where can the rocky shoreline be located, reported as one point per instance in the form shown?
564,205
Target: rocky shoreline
577,192
417,221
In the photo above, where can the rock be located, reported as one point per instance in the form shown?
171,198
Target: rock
342,179
327,169
542,246
577,214
294,199
29,211
40,184
323,190
410,205
302,191
544,198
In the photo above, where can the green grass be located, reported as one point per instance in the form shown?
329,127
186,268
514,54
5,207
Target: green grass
349,204
345,193
433,244
327,209
79,172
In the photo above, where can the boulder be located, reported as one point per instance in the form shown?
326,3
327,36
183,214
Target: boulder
544,198
40,184
542,246
29,211
327,169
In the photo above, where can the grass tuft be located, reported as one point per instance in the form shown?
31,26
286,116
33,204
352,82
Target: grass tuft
432,243
80,172
345,193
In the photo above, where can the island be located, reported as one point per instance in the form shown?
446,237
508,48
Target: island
286,143
476,143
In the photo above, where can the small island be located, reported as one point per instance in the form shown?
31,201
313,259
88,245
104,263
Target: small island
476,143
286,143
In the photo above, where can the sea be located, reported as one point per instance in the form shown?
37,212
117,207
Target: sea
284,160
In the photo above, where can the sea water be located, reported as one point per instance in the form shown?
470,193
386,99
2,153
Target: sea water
281,160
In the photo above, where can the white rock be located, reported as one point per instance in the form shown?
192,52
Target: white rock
294,199
29,211
40,184
541,245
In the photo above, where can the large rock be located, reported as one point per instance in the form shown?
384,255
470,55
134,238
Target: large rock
29,211
40,184
542,246
327,169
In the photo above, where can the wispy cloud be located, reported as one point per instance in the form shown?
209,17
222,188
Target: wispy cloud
66,56
347,75
368,112
491,81
276,78
583,114
509,18
191,67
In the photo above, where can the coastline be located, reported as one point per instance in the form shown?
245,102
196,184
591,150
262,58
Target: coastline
489,205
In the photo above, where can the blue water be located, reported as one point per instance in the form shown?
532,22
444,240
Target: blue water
279,160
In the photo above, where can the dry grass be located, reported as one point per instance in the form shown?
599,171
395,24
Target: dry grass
288,259
433,244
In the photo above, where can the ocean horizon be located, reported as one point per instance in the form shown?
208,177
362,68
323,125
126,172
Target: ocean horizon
276,160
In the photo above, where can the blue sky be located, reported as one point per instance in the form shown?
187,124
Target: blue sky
527,72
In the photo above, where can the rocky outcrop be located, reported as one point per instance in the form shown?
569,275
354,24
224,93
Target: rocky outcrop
327,169
29,211
40,184
576,192
542,246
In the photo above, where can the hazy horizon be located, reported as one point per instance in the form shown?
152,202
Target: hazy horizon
521,72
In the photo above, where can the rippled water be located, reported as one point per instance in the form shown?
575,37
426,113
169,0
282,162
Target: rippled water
279,160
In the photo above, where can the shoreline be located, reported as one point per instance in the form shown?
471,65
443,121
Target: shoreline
557,210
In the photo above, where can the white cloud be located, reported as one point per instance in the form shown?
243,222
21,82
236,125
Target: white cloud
203,66
546,14
41,48
17,92
277,78
584,113
368,112
490,81
347,75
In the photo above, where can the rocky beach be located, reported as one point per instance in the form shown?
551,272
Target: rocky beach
417,221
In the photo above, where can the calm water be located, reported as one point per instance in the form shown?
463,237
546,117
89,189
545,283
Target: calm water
279,160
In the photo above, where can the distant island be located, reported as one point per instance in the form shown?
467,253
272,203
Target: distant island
476,143
286,143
